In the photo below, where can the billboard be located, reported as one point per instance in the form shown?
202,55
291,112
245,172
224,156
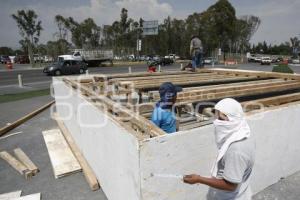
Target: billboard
150,27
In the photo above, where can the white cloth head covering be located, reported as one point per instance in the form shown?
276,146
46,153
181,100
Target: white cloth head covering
227,132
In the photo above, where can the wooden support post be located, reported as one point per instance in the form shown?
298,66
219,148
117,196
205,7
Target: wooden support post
26,161
17,165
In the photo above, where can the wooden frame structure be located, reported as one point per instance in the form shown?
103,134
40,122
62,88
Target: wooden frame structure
130,98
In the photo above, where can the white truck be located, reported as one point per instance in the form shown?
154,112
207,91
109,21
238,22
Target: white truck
92,58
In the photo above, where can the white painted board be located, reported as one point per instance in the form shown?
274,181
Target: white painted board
165,159
10,195
62,159
36,196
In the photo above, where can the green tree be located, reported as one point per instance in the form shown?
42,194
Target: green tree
24,46
6,51
30,29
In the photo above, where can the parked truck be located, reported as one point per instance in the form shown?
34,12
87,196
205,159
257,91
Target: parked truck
92,58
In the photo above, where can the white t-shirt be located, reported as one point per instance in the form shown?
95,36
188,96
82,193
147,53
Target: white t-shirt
236,167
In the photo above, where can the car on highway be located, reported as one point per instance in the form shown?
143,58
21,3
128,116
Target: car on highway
4,59
162,62
257,59
265,61
66,67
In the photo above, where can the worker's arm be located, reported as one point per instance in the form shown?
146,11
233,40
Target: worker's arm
220,184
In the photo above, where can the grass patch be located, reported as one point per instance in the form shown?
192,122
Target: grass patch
26,95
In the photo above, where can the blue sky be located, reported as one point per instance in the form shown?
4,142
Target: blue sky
280,18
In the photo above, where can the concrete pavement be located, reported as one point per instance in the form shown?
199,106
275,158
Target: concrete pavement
31,141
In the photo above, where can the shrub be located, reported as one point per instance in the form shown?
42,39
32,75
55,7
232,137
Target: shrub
282,68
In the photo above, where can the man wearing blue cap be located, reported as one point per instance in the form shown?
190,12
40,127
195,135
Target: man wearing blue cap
163,115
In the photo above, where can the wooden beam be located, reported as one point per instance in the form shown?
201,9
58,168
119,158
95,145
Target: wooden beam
166,79
155,86
87,170
238,93
17,165
149,78
141,74
254,73
277,100
15,124
26,161
154,94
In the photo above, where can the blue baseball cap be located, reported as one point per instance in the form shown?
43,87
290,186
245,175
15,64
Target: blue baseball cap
168,90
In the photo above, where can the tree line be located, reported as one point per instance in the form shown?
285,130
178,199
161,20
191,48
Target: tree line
217,27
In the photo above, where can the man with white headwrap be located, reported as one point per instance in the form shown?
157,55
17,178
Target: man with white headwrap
236,154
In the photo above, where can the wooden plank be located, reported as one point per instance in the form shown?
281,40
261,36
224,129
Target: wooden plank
10,195
15,124
141,74
87,170
212,90
62,159
149,78
26,161
154,85
237,93
154,94
17,165
277,100
36,196
254,73
173,80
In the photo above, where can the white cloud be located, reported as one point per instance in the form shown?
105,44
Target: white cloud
147,9
279,19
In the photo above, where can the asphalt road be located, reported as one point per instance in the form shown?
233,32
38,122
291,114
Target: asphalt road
35,79
37,75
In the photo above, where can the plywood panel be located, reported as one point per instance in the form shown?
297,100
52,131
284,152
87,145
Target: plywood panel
62,159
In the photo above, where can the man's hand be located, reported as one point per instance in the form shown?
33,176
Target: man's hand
191,179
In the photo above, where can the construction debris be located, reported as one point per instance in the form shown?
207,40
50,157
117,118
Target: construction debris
62,159
15,124
26,161
17,165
